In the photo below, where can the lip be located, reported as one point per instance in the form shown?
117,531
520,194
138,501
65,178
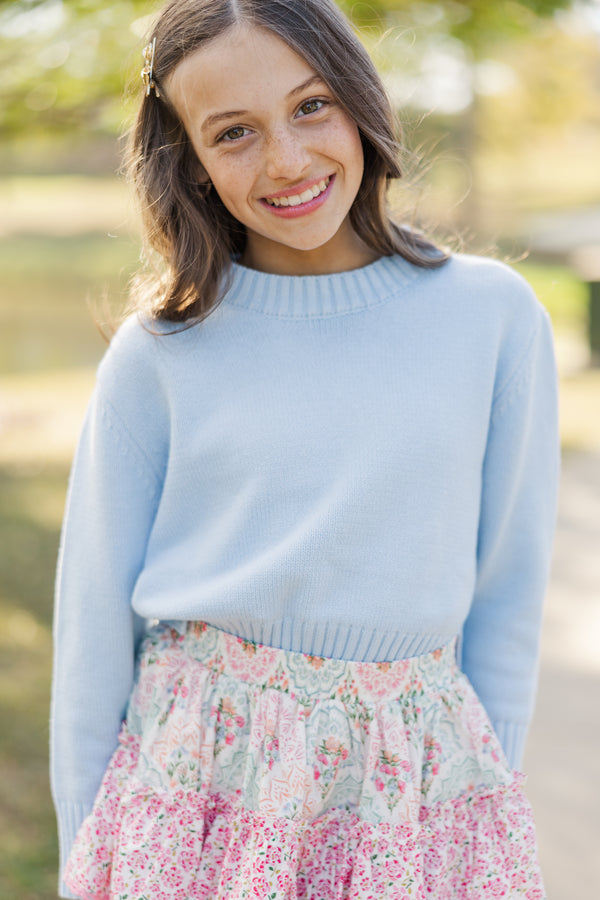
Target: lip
292,212
297,188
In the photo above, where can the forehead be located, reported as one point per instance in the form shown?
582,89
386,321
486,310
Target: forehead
246,66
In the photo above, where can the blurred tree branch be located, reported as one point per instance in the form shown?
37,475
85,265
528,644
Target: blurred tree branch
477,23
65,61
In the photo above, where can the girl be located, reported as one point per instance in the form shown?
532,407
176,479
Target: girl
310,516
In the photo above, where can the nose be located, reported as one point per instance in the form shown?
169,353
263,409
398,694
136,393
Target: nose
286,154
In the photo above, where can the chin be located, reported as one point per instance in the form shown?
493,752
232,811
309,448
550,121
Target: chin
311,242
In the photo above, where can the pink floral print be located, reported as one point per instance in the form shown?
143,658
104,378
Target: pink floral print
391,777
329,754
228,721
250,773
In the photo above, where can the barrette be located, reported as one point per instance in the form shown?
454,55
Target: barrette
147,71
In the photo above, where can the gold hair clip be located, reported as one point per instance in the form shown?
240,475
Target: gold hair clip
147,71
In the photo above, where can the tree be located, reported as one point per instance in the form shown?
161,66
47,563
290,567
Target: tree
64,64
479,24
64,61
467,38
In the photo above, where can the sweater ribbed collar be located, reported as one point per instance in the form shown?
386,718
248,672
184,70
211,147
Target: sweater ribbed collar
314,296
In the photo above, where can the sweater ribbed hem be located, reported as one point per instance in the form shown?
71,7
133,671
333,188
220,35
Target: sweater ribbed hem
69,816
512,736
333,640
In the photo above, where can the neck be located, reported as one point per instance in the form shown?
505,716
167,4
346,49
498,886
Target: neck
341,254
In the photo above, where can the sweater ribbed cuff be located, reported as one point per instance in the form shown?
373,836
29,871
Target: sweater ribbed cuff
512,736
69,816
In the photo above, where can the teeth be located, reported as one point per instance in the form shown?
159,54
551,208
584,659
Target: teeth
299,199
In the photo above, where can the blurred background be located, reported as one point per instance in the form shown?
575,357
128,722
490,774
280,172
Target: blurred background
500,104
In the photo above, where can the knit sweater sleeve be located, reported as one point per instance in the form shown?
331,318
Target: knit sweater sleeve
500,646
112,498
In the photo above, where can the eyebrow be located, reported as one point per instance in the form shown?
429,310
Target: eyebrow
219,117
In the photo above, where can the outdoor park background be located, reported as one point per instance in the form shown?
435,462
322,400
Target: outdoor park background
501,101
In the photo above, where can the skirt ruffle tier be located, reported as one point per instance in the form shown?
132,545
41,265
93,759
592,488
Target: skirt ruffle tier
245,771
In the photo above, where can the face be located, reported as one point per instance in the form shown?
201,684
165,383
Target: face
284,157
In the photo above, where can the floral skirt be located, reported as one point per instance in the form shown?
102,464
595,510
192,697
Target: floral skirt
245,771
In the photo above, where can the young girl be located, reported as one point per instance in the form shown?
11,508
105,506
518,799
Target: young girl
310,516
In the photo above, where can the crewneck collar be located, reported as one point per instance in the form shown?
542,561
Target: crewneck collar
320,296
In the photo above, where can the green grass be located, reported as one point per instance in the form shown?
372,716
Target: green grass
31,503
48,288
51,291
563,294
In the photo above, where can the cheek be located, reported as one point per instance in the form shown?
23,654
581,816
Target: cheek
348,148
233,180
355,148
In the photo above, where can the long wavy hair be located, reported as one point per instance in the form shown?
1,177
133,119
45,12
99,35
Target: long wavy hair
184,220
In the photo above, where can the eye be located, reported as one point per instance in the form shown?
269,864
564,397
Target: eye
311,106
233,134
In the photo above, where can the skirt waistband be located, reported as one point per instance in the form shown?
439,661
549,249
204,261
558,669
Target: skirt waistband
302,673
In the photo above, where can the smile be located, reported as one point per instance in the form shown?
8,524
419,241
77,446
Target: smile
299,199
290,206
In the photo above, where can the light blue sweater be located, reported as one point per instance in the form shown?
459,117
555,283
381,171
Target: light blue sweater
358,465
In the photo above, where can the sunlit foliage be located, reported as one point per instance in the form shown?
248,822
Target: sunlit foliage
64,62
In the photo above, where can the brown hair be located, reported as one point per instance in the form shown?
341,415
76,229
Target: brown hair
185,221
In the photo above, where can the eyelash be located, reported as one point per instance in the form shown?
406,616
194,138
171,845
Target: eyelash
223,137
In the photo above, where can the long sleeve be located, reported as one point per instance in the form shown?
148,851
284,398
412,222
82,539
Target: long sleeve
113,493
520,475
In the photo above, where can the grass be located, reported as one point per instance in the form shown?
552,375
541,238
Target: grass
49,347
563,294
31,501
52,289
85,205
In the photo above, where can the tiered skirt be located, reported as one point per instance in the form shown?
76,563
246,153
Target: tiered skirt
245,772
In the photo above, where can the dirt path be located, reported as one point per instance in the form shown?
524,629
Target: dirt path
563,751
